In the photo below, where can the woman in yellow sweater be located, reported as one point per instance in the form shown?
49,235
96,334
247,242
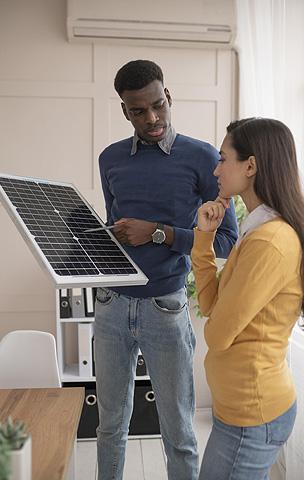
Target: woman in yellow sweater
254,303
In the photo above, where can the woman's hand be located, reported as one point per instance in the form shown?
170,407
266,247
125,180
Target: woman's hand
211,214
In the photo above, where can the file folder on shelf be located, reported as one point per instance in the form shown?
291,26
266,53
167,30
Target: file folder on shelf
85,334
93,354
65,305
89,302
78,310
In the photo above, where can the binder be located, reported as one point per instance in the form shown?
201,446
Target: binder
93,354
85,334
65,305
94,294
78,310
89,302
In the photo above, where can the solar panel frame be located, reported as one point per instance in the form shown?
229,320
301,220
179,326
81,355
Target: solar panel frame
67,227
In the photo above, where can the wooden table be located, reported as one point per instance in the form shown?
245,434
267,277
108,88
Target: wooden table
51,416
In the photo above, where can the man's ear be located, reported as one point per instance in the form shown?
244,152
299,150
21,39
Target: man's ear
167,93
125,111
251,166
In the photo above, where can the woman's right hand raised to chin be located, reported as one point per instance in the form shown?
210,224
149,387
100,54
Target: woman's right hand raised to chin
211,214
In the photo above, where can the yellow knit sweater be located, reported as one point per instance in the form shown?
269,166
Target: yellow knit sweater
251,311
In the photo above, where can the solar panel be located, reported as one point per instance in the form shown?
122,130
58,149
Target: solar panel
53,218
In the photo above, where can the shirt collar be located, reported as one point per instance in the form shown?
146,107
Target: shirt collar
165,144
257,217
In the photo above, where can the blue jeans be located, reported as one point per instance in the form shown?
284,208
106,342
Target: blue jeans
245,453
162,329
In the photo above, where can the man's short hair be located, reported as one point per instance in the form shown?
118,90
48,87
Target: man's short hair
137,74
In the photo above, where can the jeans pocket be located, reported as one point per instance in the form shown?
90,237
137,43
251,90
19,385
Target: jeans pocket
279,430
104,296
173,303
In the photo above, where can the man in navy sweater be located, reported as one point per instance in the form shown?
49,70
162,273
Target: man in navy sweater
153,184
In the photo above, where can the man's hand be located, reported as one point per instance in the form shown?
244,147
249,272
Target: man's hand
134,232
211,214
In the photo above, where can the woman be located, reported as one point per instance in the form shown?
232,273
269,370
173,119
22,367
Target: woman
255,303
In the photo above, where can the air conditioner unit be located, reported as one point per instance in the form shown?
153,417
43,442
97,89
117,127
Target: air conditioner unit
92,24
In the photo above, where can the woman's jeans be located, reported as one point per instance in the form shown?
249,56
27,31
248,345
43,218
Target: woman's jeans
162,329
245,453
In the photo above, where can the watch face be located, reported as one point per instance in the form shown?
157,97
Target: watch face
158,236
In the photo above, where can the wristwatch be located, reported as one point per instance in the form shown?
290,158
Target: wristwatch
159,236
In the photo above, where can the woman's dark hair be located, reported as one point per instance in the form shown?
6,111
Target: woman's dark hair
137,74
277,181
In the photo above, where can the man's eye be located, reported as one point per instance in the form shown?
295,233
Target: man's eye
136,113
158,106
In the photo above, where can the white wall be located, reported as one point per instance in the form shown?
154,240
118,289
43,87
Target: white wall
46,131
58,110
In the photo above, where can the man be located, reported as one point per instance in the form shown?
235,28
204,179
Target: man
153,184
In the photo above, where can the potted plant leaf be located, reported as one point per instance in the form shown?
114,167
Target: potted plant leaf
4,461
16,444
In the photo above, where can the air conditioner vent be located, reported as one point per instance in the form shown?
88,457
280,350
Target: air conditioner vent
94,26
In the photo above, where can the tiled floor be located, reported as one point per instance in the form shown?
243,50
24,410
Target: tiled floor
145,459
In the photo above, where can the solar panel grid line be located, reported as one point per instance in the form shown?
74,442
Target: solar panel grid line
54,216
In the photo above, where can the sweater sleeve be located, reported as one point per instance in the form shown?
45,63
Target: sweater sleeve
106,190
224,240
204,269
226,234
259,274
207,187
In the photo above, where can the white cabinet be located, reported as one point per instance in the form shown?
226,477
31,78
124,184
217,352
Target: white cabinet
75,348
75,336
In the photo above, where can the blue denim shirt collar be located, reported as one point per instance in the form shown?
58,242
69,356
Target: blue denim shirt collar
165,144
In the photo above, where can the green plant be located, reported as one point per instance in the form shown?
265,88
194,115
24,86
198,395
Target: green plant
4,461
241,212
13,434
240,209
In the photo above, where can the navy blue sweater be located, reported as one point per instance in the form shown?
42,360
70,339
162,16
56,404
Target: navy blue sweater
157,187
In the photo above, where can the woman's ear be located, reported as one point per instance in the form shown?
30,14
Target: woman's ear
251,166
124,109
